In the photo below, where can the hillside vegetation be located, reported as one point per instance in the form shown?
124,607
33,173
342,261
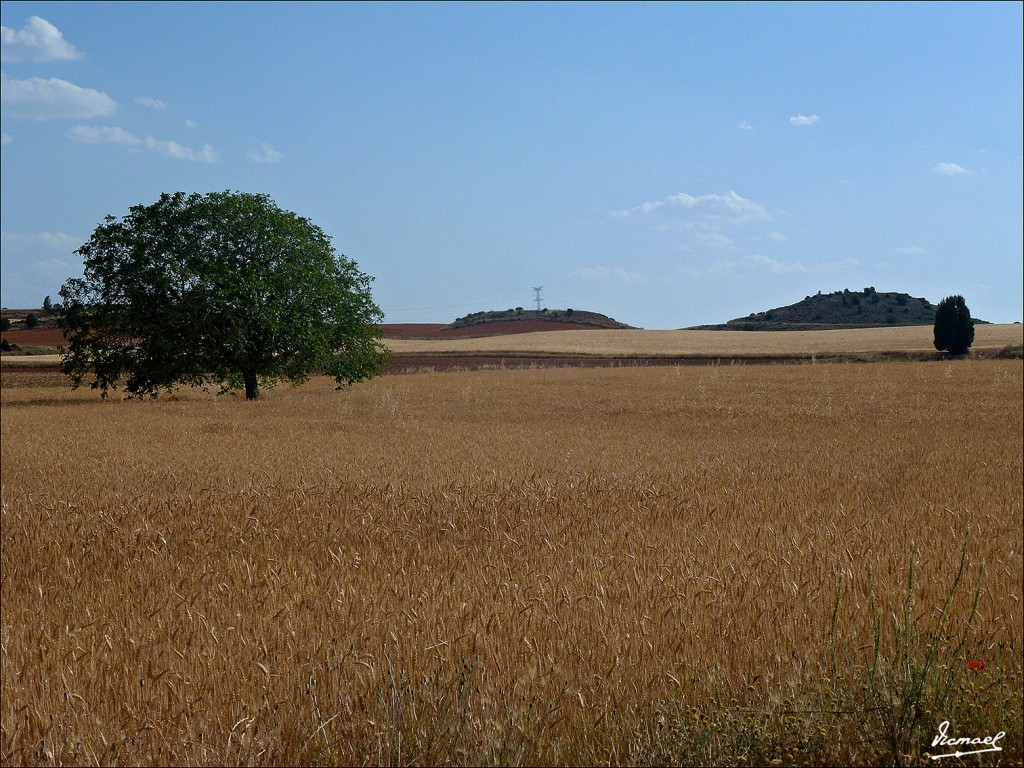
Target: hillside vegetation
578,316
840,309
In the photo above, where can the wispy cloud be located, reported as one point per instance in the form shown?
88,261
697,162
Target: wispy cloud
39,99
756,264
713,240
181,152
802,120
191,124
778,237
761,262
728,207
88,134
911,250
609,276
151,103
745,126
950,169
267,155
5,139
38,41
35,265
643,208
40,243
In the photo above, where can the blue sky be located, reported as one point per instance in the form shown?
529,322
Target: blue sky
666,164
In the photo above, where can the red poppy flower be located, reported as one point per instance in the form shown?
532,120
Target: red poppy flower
975,665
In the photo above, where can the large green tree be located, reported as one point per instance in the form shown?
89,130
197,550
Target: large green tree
223,288
954,328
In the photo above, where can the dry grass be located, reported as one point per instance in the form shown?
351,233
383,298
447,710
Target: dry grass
712,343
542,566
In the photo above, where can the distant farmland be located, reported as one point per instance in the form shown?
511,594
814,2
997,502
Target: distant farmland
912,339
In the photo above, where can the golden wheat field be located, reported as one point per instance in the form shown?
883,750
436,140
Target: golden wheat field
917,338
721,565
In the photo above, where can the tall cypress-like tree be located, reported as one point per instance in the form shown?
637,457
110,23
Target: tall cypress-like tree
954,328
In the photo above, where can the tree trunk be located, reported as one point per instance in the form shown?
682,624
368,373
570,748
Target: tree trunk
252,386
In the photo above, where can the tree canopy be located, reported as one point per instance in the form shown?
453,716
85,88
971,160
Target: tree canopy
954,328
223,288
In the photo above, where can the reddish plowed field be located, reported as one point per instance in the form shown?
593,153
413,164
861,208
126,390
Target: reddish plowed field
51,337
35,337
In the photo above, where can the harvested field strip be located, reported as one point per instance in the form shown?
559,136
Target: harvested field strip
539,566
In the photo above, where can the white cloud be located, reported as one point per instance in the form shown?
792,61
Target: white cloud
180,152
698,222
147,101
801,120
6,139
40,99
912,250
87,134
950,169
643,208
267,154
778,237
606,276
759,262
191,124
745,126
728,207
38,41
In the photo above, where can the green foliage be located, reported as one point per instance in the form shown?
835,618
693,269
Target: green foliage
223,288
47,304
884,710
954,328
5,345
911,682
5,324
31,320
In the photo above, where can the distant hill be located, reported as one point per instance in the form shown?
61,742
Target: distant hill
841,309
571,317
